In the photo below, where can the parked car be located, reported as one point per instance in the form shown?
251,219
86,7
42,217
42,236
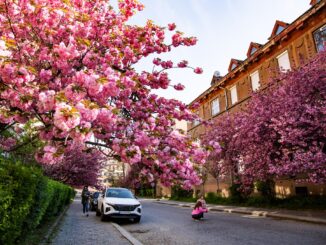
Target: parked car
93,200
118,203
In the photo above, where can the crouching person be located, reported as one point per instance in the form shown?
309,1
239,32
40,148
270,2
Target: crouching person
198,211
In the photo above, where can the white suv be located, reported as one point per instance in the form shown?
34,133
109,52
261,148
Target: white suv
118,203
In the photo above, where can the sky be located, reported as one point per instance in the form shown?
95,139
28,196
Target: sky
224,29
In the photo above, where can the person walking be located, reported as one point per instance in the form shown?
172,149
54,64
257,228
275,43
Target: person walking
198,211
85,200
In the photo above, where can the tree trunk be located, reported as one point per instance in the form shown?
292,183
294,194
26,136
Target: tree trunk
218,184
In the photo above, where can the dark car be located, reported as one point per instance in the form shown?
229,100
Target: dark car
93,200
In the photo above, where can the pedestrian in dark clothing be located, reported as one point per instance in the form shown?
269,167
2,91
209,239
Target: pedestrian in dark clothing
85,200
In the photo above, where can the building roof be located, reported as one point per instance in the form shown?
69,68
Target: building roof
234,63
253,47
316,5
279,26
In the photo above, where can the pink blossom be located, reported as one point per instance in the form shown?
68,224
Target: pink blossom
198,70
179,86
183,64
172,26
46,101
157,61
66,117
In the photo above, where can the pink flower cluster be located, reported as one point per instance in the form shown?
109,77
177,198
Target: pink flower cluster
68,69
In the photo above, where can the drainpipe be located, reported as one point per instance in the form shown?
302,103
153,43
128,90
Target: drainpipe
226,98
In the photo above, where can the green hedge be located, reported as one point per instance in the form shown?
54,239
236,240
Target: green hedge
294,202
27,197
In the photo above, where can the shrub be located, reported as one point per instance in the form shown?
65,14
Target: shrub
211,196
178,193
266,188
235,193
27,197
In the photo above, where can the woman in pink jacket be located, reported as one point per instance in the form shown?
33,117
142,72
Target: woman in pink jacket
198,211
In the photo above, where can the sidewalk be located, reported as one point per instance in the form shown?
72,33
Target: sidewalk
77,229
317,217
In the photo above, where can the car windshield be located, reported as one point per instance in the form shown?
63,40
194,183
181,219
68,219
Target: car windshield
119,193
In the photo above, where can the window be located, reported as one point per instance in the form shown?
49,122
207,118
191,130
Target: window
234,95
279,30
253,50
196,122
215,107
255,80
233,66
284,61
301,191
119,193
320,38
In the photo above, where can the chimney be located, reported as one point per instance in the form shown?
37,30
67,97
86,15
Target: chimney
216,78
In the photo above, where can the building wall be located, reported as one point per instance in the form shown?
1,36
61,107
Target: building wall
211,185
297,39
287,187
163,191
112,172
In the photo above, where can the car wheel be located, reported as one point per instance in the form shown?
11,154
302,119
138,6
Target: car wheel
137,220
103,217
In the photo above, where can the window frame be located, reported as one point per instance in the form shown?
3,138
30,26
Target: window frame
218,106
196,122
318,30
236,94
284,70
251,80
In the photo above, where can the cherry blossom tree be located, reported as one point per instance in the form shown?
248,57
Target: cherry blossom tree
68,67
223,158
78,167
281,132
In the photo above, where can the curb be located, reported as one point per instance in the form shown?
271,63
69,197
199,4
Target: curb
126,234
256,213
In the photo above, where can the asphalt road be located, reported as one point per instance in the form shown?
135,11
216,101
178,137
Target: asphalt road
164,224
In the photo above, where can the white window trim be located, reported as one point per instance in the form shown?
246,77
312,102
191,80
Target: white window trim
235,100
218,107
320,29
278,57
196,122
252,84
